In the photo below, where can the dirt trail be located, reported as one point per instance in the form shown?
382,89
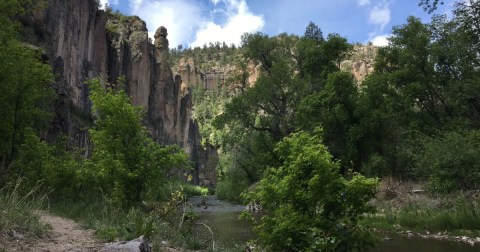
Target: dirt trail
66,235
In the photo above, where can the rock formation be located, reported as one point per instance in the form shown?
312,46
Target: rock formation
82,42
360,63
213,77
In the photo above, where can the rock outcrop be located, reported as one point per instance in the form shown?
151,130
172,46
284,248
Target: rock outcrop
360,63
82,42
213,77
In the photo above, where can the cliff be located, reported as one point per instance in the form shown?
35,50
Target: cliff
212,76
82,42
360,62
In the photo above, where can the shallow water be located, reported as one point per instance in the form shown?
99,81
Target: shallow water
229,231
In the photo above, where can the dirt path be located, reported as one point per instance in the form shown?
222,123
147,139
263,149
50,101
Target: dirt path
66,235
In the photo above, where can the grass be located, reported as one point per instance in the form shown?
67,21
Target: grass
193,190
455,214
17,210
161,222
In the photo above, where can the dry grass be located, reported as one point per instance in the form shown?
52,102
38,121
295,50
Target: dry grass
397,194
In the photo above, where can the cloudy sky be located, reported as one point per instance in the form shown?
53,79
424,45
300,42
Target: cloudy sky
196,22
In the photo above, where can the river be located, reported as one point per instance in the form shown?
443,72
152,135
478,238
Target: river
230,232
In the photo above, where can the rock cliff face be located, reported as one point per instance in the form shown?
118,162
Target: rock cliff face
82,42
212,78
361,62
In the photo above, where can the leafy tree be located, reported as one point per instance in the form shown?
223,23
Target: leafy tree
317,59
129,166
306,204
467,15
450,161
334,109
24,86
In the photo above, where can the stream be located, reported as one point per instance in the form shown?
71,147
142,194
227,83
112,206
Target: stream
230,232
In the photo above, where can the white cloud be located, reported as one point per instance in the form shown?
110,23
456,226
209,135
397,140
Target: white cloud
109,2
180,17
380,15
135,5
381,40
102,3
188,23
238,20
363,2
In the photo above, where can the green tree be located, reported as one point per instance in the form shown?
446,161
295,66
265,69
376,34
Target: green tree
129,166
450,161
313,32
334,108
24,86
306,204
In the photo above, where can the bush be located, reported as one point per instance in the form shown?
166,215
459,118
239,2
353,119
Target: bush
450,161
307,204
232,185
193,190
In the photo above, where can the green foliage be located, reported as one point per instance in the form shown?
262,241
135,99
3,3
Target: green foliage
233,183
193,190
313,32
456,213
307,204
450,161
334,107
24,93
24,89
17,208
139,227
129,166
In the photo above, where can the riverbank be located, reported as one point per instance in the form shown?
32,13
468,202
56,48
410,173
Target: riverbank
408,209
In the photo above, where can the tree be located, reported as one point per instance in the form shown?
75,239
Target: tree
316,60
306,204
314,32
129,166
430,5
334,108
467,15
24,86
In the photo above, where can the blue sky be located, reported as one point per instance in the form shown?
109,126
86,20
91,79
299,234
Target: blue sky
196,22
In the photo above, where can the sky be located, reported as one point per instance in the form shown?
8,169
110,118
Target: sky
197,22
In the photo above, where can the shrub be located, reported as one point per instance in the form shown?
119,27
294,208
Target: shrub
450,161
307,204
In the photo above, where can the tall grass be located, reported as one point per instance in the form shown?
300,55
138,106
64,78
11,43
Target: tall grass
17,209
194,190
454,214
111,223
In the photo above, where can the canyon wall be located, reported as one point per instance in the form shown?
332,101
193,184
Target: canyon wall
82,42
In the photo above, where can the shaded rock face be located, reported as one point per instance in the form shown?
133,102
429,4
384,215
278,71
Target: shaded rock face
83,42
72,34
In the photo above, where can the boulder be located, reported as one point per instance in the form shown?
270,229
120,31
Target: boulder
137,245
